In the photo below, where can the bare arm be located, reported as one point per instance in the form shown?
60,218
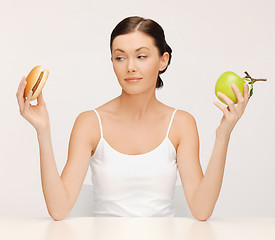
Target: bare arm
61,192
206,196
53,188
202,191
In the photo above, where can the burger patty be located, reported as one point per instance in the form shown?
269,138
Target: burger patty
37,82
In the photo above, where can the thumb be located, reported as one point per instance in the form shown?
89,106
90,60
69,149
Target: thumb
40,100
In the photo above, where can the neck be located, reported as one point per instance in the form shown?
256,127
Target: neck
137,107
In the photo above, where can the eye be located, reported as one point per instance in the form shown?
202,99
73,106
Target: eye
118,58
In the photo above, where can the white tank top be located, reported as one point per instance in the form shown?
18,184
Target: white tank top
140,185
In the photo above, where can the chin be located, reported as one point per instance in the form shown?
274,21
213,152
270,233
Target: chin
132,91
136,90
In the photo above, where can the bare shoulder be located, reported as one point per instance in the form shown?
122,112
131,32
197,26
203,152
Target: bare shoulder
86,118
184,117
88,121
185,123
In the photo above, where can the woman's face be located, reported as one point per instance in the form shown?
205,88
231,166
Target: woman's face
135,55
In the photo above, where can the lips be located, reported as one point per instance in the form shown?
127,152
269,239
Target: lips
132,79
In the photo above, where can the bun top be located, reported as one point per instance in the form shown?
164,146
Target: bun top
32,78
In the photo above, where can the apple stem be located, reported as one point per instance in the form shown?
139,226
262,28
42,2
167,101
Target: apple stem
253,80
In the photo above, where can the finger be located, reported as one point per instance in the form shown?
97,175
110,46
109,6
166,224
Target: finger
237,93
28,100
20,91
246,91
22,82
226,99
229,102
40,99
221,107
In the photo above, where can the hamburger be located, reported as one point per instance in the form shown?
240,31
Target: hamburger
36,80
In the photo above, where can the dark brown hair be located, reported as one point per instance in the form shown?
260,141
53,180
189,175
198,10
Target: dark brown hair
149,27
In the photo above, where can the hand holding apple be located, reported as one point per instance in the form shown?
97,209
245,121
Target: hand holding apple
225,81
232,89
231,113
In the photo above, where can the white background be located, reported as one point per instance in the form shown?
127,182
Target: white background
71,39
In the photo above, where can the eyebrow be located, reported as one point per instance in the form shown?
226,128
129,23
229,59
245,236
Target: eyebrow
135,51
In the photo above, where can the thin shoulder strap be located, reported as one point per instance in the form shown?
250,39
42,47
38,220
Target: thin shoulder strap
170,122
101,132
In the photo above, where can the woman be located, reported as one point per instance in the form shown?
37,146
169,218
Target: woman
134,164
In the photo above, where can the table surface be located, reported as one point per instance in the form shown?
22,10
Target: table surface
101,228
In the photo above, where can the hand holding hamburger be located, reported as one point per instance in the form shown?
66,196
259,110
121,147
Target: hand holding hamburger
29,89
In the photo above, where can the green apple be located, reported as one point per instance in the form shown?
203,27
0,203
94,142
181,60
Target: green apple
224,85
225,81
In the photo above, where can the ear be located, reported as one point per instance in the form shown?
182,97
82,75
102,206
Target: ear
111,58
164,61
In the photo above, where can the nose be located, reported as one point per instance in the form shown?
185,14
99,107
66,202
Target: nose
131,66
